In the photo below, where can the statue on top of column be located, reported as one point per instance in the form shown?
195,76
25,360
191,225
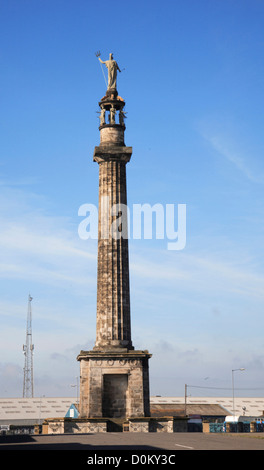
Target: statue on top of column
112,67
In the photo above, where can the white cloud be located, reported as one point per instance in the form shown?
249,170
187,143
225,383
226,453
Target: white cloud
235,156
204,272
229,141
11,379
39,246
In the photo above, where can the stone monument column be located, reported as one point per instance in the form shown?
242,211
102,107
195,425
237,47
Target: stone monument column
114,379
113,296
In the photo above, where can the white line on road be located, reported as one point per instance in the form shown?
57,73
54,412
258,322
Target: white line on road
186,447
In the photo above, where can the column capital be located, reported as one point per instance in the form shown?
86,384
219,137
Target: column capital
114,153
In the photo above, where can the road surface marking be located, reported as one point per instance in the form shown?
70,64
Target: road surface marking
186,447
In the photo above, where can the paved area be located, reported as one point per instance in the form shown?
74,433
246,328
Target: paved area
150,442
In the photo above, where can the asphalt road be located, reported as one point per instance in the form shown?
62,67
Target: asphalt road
132,442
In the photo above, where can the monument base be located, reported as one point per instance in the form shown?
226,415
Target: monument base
114,383
96,425
73,426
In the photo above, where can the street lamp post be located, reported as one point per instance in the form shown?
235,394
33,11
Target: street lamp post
77,391
233,389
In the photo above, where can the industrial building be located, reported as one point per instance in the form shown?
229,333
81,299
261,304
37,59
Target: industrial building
23,414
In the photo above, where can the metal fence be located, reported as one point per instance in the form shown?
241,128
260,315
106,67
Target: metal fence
242,426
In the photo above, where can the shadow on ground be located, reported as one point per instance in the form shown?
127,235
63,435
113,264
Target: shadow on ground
27,442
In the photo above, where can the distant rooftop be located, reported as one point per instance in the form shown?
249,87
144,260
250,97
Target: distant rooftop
29,410
247,406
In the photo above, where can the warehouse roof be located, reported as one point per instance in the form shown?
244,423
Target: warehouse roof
248,406
32,410
170,409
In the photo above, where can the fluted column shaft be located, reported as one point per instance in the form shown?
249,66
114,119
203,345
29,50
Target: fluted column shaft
113,327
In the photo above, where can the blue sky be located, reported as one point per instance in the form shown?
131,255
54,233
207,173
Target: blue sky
192,79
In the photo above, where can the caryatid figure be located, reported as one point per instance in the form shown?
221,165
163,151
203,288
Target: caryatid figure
112,66
112,115
102,117
122,117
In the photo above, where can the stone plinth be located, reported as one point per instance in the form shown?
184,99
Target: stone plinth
73,426
114,384
165,424
162,424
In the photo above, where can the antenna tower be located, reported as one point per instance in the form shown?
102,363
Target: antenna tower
28,352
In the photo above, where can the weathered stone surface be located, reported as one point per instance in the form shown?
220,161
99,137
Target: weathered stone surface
165,424
110,135
73,426
97,389
113,296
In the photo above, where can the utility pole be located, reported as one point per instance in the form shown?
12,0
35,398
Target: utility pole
28,352
185,400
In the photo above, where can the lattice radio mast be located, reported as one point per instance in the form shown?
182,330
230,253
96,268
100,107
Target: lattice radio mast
28,348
